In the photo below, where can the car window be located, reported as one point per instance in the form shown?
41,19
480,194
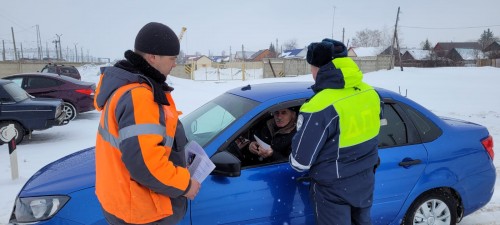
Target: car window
427,129
17,80
16,92
41,82
395,132
209,120
51,70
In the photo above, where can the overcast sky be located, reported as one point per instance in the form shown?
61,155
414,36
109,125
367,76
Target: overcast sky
107,28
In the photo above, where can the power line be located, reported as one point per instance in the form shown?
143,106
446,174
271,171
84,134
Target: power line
449,28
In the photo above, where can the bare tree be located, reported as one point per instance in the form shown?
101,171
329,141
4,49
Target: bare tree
290,44
371,38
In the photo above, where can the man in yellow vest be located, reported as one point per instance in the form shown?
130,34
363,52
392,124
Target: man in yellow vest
336,139
140,163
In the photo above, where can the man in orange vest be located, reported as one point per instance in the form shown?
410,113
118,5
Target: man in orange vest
141,175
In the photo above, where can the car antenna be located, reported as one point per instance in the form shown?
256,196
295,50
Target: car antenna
406,91
246,88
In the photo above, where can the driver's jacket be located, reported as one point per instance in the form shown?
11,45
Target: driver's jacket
140,170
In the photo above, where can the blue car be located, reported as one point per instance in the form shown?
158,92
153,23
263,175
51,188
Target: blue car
432,168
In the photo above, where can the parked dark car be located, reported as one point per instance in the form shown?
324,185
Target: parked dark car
78,96
69,71
433,170
26,112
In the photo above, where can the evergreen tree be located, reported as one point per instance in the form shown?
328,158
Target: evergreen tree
487,38
426,45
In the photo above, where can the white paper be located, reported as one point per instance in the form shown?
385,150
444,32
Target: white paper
198,163
262,145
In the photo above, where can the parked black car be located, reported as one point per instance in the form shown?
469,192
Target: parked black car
26,112
78,96
69,71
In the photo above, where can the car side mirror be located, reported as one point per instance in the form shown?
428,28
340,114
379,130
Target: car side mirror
226,164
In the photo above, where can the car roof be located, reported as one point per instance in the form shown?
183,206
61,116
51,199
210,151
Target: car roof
53,75
266,91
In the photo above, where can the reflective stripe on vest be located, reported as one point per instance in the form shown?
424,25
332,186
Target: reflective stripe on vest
132,130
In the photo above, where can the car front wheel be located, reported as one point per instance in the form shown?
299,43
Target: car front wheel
18,129
70,111
435,207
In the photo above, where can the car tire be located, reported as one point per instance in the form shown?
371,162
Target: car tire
18,129
70,111
439,206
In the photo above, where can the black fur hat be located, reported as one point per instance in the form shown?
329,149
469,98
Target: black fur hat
321,53
157,39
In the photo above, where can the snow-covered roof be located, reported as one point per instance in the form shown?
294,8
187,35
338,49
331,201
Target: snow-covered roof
470,54
367,51
419,54
248,54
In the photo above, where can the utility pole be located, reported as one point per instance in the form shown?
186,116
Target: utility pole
396,40
333,19
22,52
3,50
343,34
60,48
14,41
76,53
39,42
47,49
57,51
243,63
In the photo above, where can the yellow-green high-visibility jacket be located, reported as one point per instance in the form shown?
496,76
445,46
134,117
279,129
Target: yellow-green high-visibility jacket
337,128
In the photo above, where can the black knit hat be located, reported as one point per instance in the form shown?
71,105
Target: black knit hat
157,39
321,53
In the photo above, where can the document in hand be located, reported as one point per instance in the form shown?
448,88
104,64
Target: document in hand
198,163
262,144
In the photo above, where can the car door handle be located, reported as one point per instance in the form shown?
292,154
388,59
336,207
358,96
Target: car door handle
408,163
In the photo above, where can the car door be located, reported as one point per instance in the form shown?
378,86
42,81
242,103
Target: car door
403,159
262,194
268,194
40,86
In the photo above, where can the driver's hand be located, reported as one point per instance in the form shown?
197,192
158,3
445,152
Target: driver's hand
264,153
254,147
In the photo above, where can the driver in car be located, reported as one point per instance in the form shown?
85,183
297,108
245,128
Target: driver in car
270,142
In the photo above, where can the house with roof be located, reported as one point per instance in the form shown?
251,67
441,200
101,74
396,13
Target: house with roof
220,59
243,56
493,50
416,54
199,61
299,53
466,56
364,51
261,54
442,48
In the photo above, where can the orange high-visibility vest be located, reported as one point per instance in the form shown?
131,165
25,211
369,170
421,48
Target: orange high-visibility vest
118,193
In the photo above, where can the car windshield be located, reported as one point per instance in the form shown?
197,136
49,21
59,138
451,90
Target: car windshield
16,92
209,120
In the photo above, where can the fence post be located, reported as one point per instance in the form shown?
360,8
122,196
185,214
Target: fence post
7,134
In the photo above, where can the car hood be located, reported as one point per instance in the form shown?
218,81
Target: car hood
68,174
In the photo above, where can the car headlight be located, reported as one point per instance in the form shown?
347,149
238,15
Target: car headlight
58,111
34,209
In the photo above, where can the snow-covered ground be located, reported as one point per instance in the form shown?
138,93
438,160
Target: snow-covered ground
466,93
